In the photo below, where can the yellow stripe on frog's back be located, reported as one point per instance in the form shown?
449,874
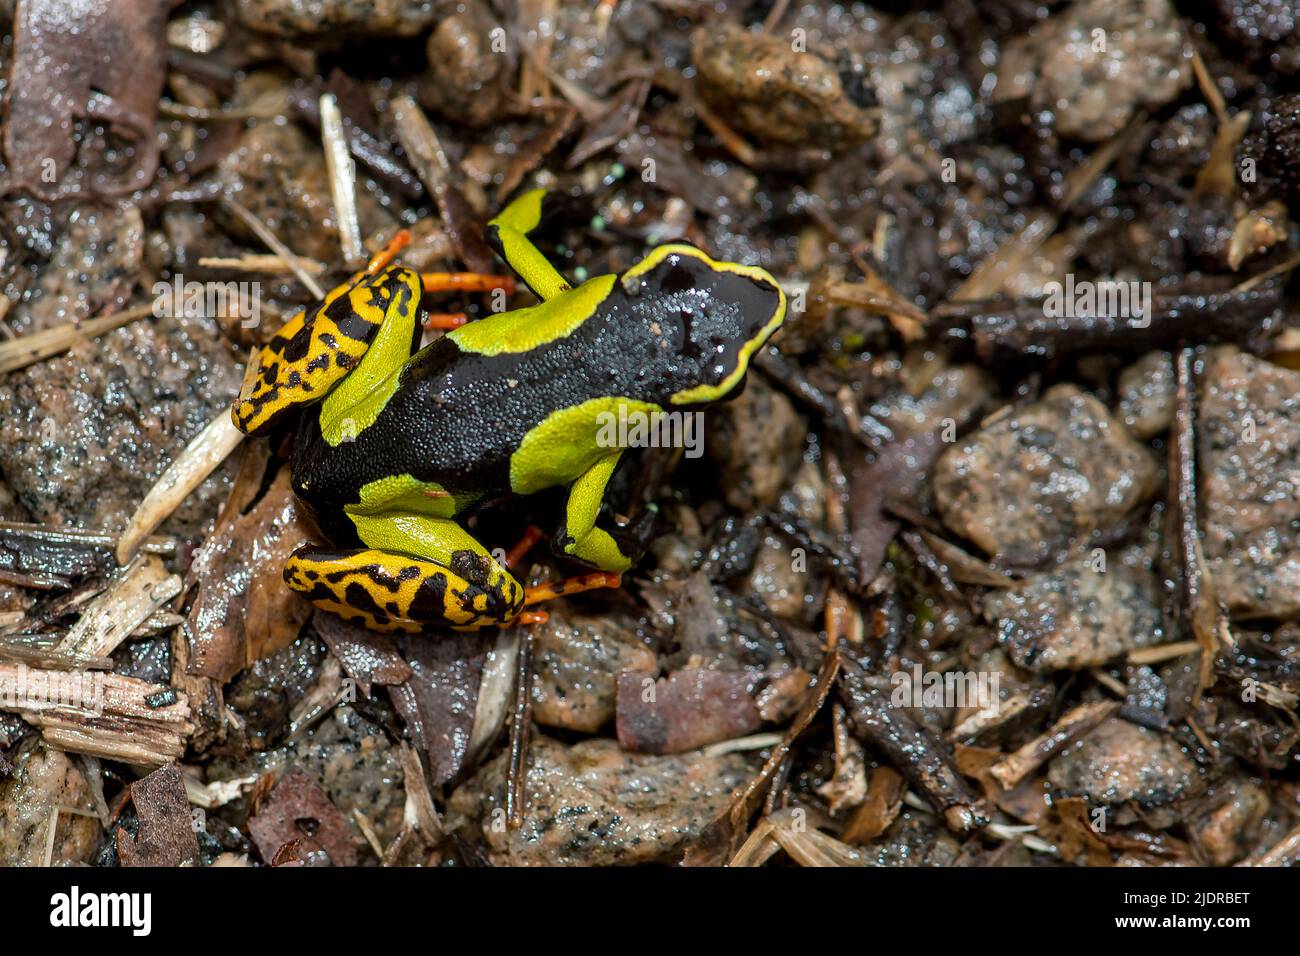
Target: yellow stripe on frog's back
524,329
564,444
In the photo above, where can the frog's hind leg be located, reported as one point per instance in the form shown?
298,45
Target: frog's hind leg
417,571
322,346
508,235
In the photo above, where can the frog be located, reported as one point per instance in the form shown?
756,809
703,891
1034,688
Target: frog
394,443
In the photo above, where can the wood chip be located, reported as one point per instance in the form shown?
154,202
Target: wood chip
1074,725
343,177
102,714
142,588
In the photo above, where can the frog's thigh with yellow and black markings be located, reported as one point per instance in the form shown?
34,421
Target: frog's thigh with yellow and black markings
416,571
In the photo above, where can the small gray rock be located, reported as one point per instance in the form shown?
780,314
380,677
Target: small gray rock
758,442
593,804
1119,762
1098,62
1249,450
1033,479
578,660
1072,619
1146,395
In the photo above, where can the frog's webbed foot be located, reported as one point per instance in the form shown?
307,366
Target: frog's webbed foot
415,571
315,350
611,548
579,536
391,592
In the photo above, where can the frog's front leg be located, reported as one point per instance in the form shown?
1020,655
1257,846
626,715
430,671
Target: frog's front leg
508,235
580,538
416,571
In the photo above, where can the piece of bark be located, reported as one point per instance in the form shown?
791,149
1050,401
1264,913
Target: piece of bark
101,714
143,587
915,752
1009,329
166,835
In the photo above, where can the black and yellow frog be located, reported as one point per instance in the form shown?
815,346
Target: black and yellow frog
394,441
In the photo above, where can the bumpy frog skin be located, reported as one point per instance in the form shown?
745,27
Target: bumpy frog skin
392,444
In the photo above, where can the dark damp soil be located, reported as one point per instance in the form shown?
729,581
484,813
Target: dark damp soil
1001,539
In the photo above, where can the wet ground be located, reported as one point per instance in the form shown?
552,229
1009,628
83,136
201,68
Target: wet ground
995,561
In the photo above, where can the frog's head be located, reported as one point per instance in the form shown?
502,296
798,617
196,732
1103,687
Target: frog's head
718,314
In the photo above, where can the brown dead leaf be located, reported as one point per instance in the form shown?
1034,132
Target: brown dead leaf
243,610
439,699
104,61
368,658
166,836
1066,825
1027,801
685,710
619,120
881,808
299,815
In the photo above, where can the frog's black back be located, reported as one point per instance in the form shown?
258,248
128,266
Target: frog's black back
458,416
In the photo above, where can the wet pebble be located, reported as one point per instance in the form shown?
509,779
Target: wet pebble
1096,63
85,434
758,442
592,804
1146,395
468,73
1272,148
297,18
354,760
1121,762
278,173
1032,479
1249,449
1073,618
1268,28
42,782
578,659
760,83
1229,829
777,581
